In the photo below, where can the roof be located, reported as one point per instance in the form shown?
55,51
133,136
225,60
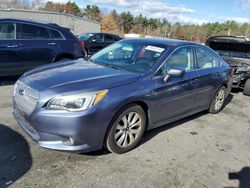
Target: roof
30,21
164,41
99,33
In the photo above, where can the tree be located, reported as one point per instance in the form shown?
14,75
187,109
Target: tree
127,21
38,4
109,23
69,7
93,12
17,4
72,8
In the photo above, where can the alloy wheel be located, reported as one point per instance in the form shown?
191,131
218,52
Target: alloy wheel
128,129
219,100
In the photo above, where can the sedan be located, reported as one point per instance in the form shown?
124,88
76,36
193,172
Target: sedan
127,88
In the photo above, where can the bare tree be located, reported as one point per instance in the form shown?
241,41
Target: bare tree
21,4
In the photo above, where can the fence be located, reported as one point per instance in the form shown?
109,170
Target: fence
78,25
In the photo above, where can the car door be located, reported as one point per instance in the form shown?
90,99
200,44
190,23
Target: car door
210,75
34,43
96,43
9,53
177,96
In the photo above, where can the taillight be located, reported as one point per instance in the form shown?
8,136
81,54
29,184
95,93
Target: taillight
81,43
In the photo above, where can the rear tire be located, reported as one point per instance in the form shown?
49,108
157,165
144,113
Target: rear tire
218,101
247,88
86,53
127,130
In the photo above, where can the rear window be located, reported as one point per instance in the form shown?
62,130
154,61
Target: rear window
56,34
206,59
109,38
238,50
7,31
26,31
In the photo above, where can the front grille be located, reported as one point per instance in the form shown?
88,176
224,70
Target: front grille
25,97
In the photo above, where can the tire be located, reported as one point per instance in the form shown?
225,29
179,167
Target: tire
123,137
246,90
218,101
86,53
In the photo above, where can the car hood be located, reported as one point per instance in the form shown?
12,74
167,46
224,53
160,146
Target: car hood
77,75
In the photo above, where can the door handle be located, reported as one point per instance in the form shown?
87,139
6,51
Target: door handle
51,43
12,46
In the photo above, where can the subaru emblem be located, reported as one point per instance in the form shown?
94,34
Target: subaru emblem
21,92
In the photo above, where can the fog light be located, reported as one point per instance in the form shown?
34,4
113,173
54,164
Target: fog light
69,141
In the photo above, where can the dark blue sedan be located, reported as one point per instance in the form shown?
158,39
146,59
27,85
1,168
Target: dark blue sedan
125,89
26,44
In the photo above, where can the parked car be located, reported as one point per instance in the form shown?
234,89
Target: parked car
129,87
94,42
28,44
236,51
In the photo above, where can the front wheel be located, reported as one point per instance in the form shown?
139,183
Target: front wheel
126,130
218,101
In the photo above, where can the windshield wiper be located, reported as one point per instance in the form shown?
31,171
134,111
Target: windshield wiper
110,65
106,64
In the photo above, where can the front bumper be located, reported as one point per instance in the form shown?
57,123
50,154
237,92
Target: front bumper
61,131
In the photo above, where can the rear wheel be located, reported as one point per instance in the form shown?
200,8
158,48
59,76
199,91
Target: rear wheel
218,101
126,130
86,53
247,87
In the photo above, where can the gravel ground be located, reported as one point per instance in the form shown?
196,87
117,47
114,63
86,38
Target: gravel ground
199,151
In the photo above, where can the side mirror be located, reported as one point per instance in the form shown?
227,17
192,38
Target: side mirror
174,73
93,40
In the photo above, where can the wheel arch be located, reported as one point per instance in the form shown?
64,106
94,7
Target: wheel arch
87,50
63,56
122,107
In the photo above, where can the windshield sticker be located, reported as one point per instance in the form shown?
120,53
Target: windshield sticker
155,49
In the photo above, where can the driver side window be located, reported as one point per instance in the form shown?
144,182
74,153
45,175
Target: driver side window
181,59
97,37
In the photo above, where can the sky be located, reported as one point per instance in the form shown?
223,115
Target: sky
183,11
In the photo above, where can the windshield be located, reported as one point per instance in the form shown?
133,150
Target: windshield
85,36
129,55
234,54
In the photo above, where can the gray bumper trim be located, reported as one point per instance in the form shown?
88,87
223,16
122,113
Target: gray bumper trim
59,145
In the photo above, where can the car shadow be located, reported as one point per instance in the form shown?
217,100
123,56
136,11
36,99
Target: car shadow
10,80
236,90
152,133
242,176
228,100
15,157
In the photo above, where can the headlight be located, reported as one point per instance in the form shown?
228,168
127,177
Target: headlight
79,102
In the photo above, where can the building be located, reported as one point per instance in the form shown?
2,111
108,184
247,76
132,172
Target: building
78,25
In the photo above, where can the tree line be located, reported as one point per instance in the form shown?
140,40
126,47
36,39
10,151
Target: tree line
126,22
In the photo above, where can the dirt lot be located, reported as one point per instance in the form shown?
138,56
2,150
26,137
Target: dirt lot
200,151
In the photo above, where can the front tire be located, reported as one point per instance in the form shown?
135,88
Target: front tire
127,130
218,101
247,88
